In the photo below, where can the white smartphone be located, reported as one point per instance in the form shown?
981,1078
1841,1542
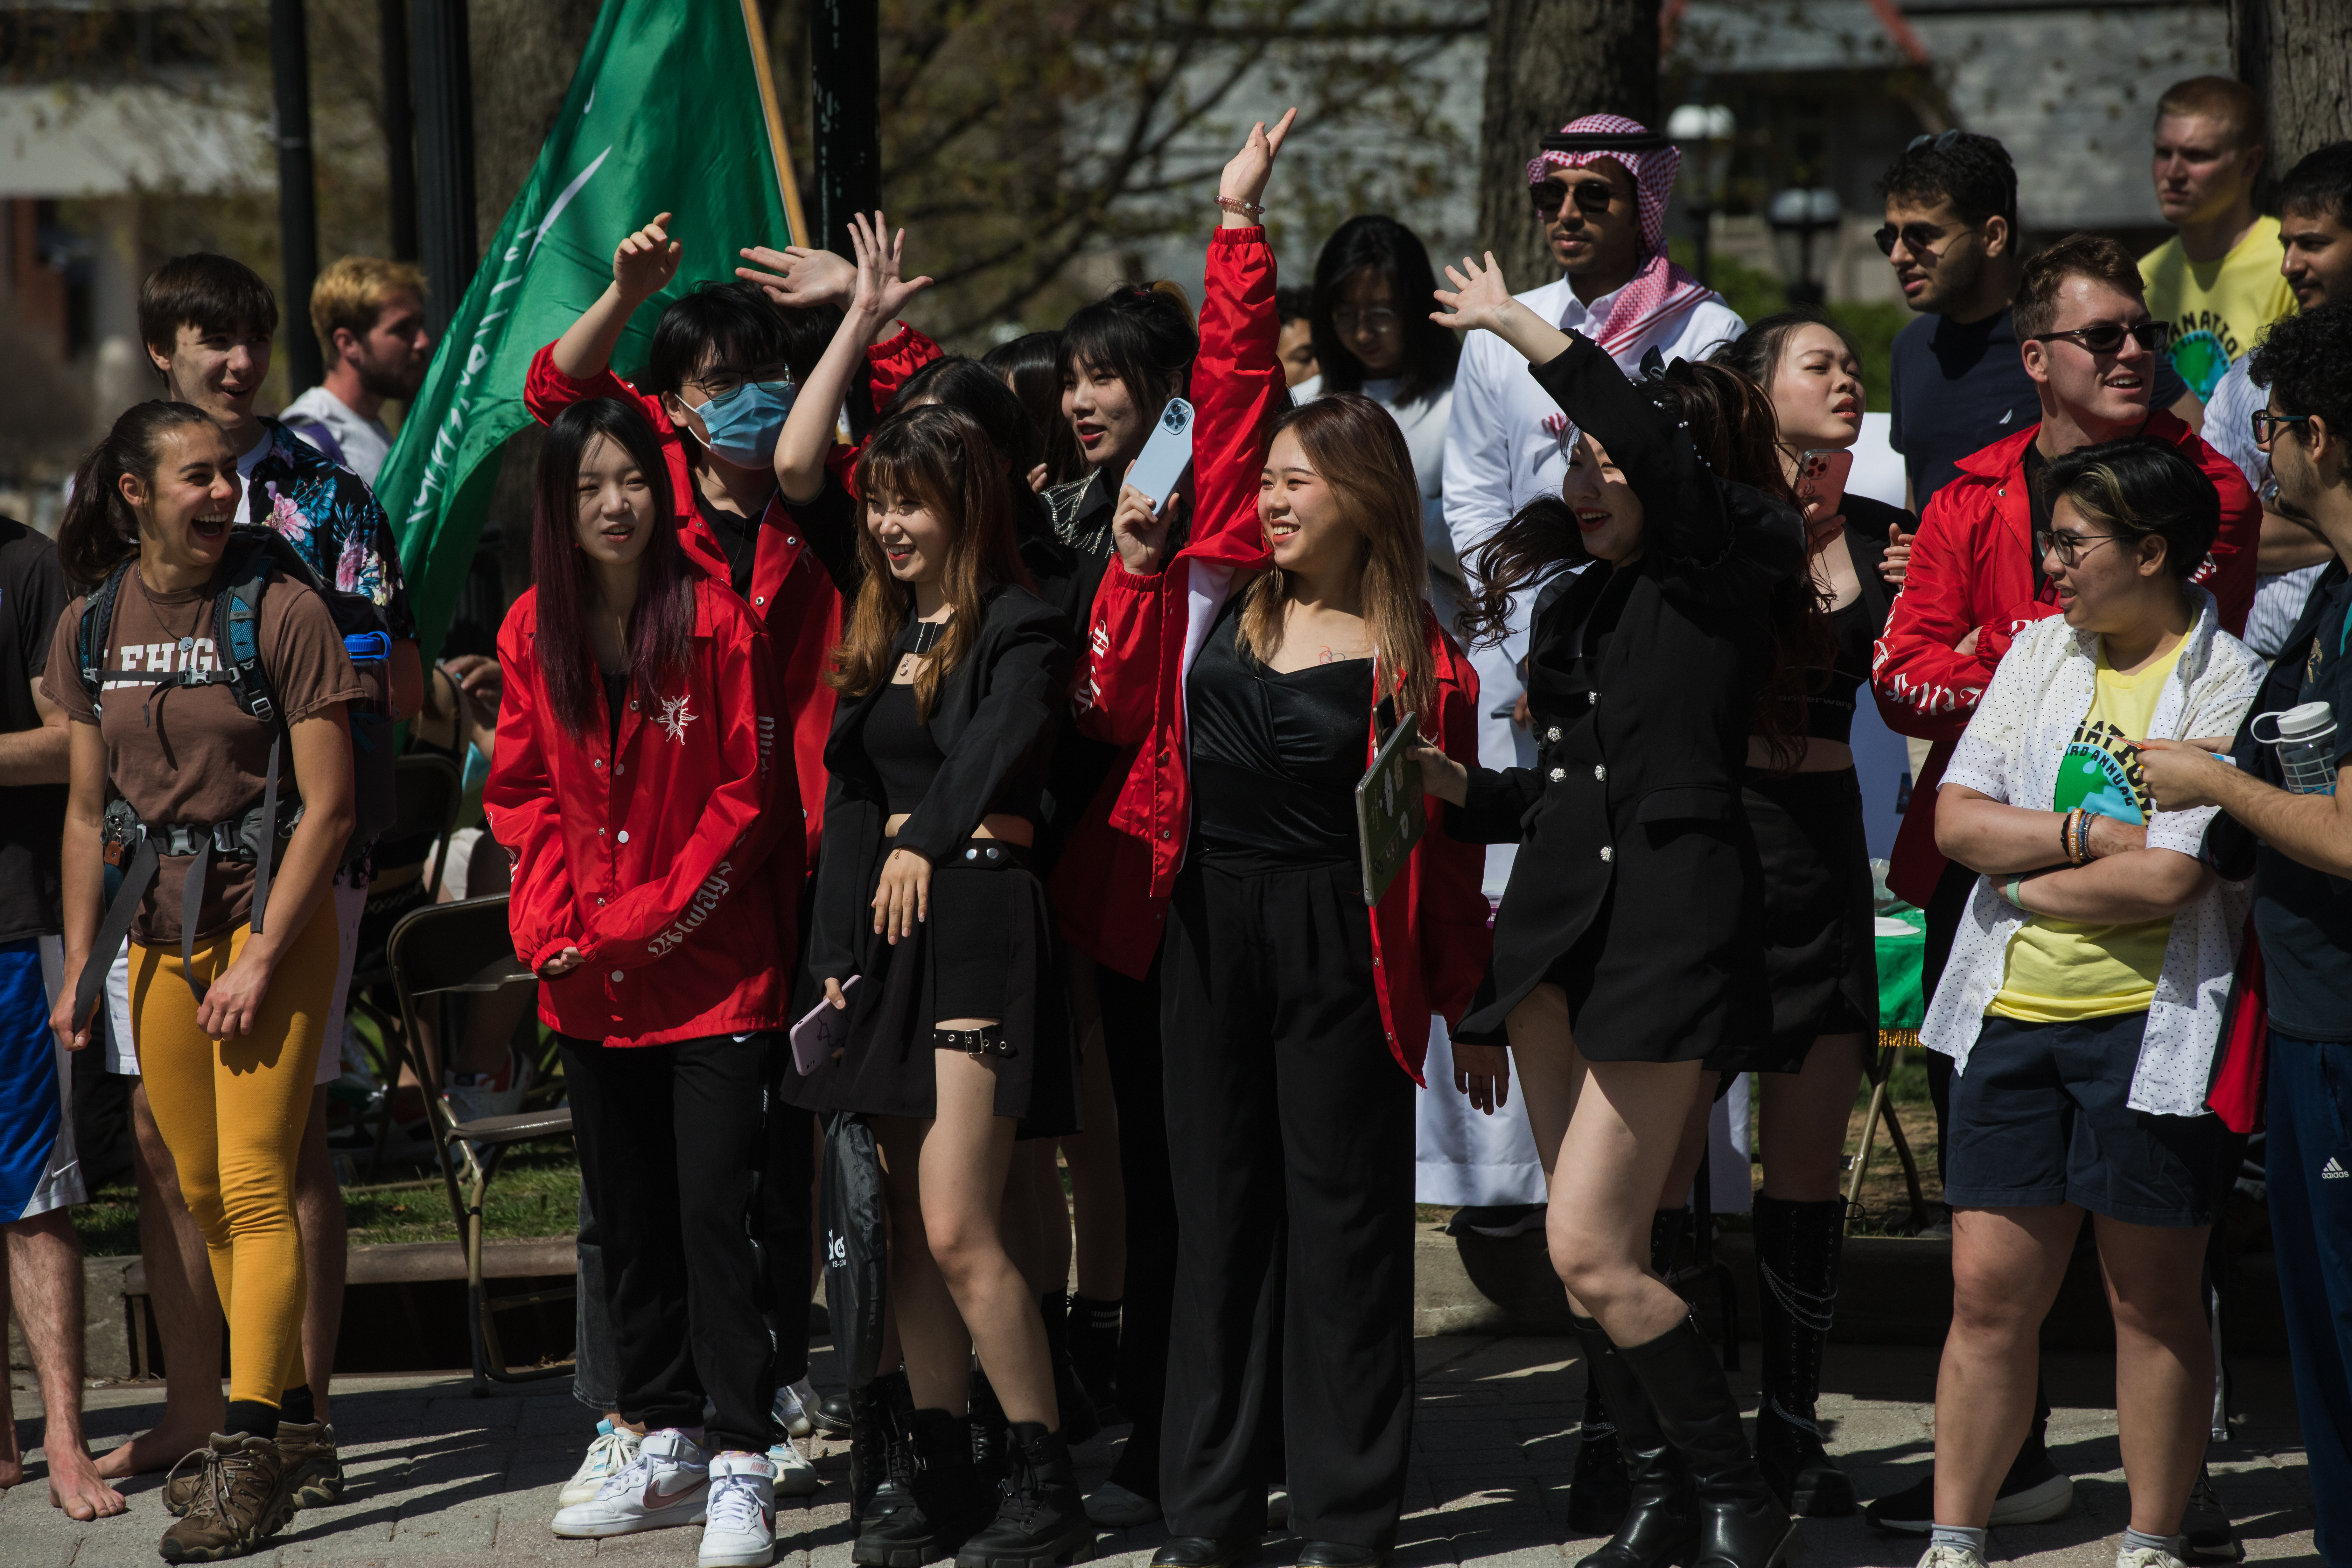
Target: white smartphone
1166,456
822,1031
1822,474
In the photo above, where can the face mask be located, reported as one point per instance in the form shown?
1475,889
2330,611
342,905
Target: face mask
743,425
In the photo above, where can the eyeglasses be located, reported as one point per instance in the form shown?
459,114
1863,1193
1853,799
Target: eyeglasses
1380,321
1942,141
2069,547
1919,238
2266,425
2106,337
1591,197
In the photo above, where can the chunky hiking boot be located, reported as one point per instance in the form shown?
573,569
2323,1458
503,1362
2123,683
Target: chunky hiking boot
314,1474
1041,1521
944,1502
239,1500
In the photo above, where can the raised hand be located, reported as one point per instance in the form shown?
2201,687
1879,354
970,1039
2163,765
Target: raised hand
880,293
1479,297
1244,177
645,262
800,275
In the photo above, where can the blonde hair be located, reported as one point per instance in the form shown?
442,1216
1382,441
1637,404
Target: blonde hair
351,292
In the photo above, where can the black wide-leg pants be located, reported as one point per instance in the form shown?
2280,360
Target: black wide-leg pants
1290,1134
672,1140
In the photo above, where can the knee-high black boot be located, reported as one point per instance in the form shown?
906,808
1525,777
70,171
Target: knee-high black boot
1666,1235
1660,1523
1741,1524
1598,1488
1797,1248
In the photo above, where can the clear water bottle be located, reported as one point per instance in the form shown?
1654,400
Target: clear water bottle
2305,739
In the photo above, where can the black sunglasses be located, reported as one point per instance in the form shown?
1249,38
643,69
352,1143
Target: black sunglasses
1592,197
2106,337
1918,238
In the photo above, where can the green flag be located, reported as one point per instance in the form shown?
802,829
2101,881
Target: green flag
665,115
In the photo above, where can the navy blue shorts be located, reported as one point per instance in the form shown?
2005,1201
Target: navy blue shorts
2041,1117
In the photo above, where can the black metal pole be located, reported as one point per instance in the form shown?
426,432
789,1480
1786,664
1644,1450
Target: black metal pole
297,196
845,79
399,127
445,153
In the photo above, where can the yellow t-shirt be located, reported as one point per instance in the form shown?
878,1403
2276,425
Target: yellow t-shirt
2217,309
2059,971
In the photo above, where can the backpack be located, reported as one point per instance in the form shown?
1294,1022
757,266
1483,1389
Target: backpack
254,552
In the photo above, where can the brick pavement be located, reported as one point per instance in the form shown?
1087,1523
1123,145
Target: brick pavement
440,1478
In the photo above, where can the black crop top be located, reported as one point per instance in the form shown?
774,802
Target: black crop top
1275,757
1828,710
900,746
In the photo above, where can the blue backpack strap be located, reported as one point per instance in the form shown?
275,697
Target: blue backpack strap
236,629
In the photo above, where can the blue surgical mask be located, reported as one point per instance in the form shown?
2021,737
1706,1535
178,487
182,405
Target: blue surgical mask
743,425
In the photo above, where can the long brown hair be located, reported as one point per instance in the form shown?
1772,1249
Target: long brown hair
1730,420
661,622
940,457
100,530
1357,450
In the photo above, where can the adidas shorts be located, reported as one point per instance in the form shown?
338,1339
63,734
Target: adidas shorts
38,1168
351,903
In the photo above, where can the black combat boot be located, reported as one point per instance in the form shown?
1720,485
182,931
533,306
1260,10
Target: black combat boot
1041,1520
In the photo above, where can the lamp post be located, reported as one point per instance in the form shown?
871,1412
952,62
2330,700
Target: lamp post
1796,215
1703,132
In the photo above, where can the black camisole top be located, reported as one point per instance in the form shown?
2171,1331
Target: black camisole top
1829,709
1276,758
900,745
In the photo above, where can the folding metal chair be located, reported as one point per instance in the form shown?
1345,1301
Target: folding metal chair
439,956
427,791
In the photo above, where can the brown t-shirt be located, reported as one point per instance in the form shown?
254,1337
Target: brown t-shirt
189,754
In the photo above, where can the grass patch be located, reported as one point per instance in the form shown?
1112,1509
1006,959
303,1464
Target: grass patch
536,1193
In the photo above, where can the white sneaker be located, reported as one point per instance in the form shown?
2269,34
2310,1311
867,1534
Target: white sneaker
610,1453
2146,1557
472,1096
1114,1507
739,1527
1951,1557
795,1408
795,1477
665,1485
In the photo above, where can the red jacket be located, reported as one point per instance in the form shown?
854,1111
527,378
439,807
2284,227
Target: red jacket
1430,940
665,858
791,592
1972,570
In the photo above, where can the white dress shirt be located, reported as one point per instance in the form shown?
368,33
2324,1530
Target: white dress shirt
361,444
2229,430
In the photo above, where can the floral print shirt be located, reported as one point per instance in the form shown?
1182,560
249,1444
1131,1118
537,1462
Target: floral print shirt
328,514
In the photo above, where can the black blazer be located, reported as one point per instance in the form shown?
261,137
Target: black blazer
997,716
1642,737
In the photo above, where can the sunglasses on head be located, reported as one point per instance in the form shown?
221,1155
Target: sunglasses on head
1592,197
2106,337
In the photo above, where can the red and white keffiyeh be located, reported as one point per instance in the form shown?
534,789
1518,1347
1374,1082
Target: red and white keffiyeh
1660,290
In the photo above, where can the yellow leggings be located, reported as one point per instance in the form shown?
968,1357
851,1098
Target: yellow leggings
233,1113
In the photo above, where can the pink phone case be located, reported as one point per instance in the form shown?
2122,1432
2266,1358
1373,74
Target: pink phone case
1822,474
823,1031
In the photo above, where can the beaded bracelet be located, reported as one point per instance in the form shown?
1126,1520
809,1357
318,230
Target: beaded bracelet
1235,205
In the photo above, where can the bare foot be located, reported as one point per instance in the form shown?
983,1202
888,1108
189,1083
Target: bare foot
75,1487
157,1450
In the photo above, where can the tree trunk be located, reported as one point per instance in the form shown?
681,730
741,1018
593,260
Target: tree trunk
2298,55
1548,62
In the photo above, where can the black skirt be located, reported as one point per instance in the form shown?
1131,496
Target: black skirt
1820,950
986,950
